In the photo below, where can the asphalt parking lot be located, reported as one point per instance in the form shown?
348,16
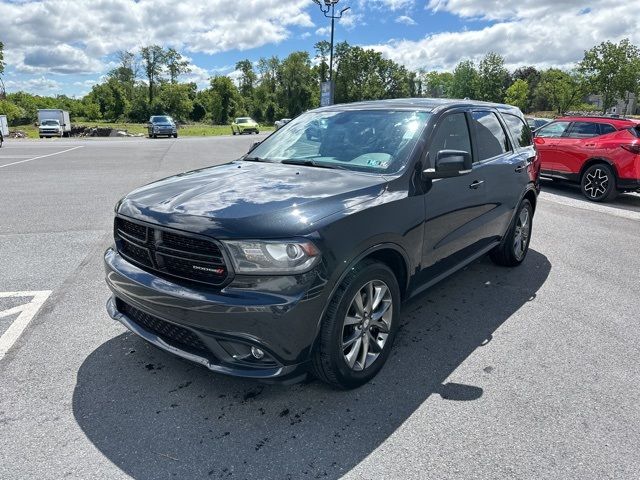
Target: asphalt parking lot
496,373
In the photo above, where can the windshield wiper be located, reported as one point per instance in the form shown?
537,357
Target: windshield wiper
254,159
311,163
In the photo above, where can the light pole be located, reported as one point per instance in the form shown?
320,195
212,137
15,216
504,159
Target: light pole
328,8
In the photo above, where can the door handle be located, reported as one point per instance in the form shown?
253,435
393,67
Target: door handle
476,184
520,168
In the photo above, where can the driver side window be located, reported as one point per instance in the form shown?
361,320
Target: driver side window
452,134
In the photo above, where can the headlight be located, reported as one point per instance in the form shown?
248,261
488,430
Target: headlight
272,257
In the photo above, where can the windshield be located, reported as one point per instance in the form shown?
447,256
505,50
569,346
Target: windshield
243,120
50,123
377,141
161,119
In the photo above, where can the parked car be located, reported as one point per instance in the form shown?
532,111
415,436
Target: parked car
53,122
162,125
281,123
298,256
244,125
602,154
4,129
536,123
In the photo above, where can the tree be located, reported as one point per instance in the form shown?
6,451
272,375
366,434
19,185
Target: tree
126,72
463,83
153,57
518,95
223,99
562,90
612,70
176,64
323,50
174,99
437,84
296,83
1,58
492,79
248,78
111,99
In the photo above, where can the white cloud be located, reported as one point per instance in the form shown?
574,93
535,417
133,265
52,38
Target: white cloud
388,4
41,85
406,20
79,33
323,31
525,32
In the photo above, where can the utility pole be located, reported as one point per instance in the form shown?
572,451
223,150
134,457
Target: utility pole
328,8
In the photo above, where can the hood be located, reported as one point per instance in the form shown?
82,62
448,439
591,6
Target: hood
250,199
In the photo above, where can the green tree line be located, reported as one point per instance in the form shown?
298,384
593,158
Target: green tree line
149,82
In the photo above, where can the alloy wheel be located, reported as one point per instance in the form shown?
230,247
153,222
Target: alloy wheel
367,325
597,183
522,232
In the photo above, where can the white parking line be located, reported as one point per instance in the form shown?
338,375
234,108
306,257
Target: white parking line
41,156
28,311
586,205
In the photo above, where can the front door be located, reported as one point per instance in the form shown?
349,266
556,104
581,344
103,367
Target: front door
454,227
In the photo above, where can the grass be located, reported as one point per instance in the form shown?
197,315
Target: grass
189,130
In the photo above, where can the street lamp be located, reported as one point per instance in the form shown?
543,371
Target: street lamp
328,8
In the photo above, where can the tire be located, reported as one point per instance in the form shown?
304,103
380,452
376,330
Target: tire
155,136
515,245
257,132
233,132
175,135
343,324
1,140
598,183
41,136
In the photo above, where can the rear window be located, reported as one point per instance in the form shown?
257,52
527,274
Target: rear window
490,136
605,128
583,130
520,130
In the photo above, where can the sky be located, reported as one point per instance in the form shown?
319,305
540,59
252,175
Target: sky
66,46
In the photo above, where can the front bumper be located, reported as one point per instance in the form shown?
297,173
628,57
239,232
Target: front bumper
279,315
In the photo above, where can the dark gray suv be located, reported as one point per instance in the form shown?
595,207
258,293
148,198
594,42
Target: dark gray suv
298,256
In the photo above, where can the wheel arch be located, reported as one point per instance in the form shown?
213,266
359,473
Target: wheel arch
594,161
391,254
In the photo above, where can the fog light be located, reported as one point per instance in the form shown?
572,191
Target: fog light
257,353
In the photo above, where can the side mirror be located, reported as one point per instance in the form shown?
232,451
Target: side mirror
450,163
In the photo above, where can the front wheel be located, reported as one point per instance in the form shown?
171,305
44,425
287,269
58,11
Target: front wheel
598,183
359,327
515,245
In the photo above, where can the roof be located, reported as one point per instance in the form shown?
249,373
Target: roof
426,104
615,121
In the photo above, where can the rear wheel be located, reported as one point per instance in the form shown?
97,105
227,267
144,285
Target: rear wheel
359,327
515,245
598,183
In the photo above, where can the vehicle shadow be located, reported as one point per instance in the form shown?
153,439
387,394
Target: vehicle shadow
155,416
624,201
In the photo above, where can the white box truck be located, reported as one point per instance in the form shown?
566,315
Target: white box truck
4,129
53,123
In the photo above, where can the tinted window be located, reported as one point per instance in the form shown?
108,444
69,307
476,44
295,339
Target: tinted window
584,130
491,139
519,129
452,134
555,129
606,128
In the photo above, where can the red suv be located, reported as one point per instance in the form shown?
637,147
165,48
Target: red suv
602,154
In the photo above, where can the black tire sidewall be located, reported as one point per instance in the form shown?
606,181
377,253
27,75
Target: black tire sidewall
511,250
610,188
346,376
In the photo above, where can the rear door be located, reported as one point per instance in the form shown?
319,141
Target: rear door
546,140
573,148
504,168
